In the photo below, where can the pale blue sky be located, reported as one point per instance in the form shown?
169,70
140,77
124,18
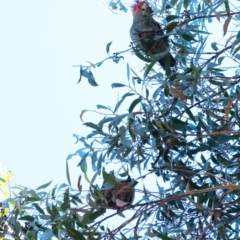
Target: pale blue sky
40,101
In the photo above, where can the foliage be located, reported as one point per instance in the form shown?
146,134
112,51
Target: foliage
184,129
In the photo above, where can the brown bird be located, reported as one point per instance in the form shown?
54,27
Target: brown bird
117,196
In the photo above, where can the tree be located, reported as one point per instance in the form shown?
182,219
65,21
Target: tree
184,129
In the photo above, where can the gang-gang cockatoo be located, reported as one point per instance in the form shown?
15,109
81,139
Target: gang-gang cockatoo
118,195
148,34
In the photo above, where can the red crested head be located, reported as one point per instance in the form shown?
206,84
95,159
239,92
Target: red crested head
138,7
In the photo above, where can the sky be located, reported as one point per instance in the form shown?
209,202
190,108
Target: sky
40,101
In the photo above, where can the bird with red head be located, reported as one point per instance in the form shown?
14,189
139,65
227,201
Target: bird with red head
148,34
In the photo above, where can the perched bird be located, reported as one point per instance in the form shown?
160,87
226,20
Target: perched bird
117,196
148,34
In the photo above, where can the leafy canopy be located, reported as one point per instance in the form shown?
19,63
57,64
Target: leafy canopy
182,129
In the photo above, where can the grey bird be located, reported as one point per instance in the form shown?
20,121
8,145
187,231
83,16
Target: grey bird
148,34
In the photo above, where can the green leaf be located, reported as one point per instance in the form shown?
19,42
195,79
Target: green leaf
169,18
53,192
80,75
39,208
178,124
197,205
196,71
238,35
117,120
44,185
66,201
134,104
108,47
105,120
94,160
214,46
27,218
120,102
83,166
220,59
109,178
150,66
97,214
100,161
140,56
67,173
161,236
189,113
99,106
171,26
237,56
89,76
113,143
75,234
188,37
83,161
92,125
117,85
235,42
217,83
186,3
85,175
33,199
91,79
227,8
236,50
203,124
123,237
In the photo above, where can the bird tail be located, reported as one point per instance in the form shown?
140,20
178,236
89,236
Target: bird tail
164,60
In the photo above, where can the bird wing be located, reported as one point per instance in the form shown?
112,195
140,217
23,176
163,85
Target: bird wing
151,38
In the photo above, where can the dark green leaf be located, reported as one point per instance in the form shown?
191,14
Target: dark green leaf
196,71
188,37
109,178
140,56
117,85
220,59
186,3
92,125
134,104
189,113
91,79
44,185
27,218
214,46
80,75
103,107
39,208
161,236
67,173
113,143
123,98
108,47
227,8
169,18
75,234
66,201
